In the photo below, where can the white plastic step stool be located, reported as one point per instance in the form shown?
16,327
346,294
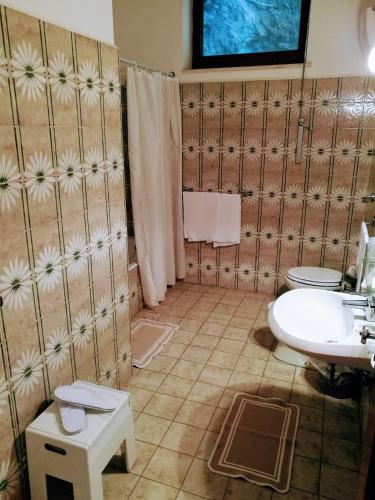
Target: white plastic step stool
79,458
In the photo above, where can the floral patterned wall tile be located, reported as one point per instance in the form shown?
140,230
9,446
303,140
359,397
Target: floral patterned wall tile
241,137
63,269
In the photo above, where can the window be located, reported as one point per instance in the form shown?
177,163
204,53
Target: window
229,33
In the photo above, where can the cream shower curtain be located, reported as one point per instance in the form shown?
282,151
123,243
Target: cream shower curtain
154,124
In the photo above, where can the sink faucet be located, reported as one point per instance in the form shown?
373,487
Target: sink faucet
365,334
364,302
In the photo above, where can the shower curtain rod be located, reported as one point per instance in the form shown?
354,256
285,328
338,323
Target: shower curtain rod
147,68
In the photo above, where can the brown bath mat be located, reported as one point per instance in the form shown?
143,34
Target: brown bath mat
256,441
148,338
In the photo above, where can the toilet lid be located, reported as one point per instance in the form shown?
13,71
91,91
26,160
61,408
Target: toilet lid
315,275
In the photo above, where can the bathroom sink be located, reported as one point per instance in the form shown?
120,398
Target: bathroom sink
316,323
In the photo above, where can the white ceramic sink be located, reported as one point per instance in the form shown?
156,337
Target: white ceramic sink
316,323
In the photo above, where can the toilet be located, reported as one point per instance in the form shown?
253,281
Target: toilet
306,277
313,277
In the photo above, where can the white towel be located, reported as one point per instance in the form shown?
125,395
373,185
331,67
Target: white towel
212,217
200,214
363,242
228,222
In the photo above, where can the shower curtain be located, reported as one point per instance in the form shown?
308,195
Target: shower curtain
154,128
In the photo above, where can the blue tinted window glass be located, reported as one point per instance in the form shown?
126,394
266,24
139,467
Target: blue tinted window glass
250,26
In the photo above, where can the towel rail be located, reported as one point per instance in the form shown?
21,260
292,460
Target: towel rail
370,198
242,192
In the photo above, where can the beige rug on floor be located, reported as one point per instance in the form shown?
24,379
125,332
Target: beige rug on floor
148,339
256,441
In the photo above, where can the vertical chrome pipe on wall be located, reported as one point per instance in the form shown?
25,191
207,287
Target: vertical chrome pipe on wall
299,144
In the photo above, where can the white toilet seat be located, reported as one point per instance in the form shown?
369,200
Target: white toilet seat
314,277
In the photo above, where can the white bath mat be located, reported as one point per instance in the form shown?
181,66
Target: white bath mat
148,339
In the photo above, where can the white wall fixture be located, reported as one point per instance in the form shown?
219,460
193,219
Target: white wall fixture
370,34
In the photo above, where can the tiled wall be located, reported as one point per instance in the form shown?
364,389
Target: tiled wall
370,208
135,290
242,136
129,208
63,240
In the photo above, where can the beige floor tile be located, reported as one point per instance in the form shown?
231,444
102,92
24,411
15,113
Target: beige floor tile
144,454
234,333
231,346
309,444
255,351
311,418
173,349
238,358
162,405
183,495
219,319
201,481
198,314
183,438
341,452
191,325
239,489
206,341
271,388
161,364
118,486
279,371
205,393
243,382
217,420
241,322
151,429
215,291
205,305
168,467
251,366
152,490
341,426
227,398
207,445
139,397
307,396
294,494
176,386
187,369
146,379
305,475
169,318
261,324
135,415
213,329
347,407
263,338
222,359
225,309
263,314
249,310
183,336
195,414
338,483
178,311
196,354
163,308
306,376
215,376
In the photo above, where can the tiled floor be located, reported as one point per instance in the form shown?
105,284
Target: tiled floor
223,346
